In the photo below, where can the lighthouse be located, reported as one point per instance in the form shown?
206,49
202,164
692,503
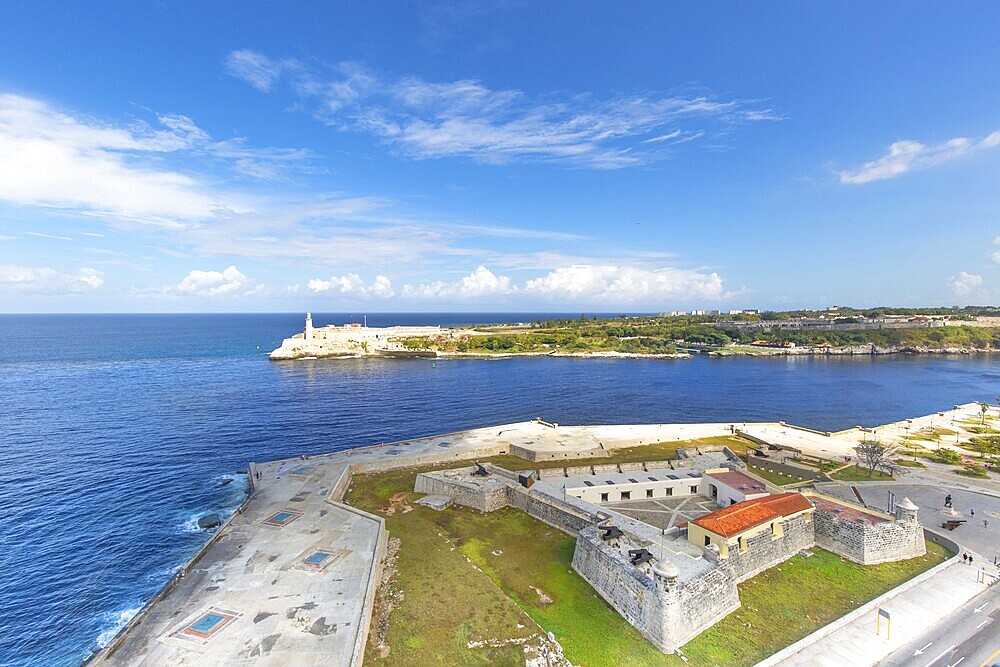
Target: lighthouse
309,326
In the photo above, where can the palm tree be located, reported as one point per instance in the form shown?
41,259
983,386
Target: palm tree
983,407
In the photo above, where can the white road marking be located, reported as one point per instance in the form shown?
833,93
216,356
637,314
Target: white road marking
940,655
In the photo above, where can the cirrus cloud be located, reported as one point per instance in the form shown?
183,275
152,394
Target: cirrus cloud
907,155
428,119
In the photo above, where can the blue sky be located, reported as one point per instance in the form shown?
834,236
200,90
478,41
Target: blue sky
187,156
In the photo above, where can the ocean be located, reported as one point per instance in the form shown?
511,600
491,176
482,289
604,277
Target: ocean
118,431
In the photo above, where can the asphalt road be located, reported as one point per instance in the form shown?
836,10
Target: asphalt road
969,637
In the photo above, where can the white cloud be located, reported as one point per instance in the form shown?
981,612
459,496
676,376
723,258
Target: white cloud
964,283
45,280
51,159
256,69
907,155
480,283
352,284
424,119
230,281
622,284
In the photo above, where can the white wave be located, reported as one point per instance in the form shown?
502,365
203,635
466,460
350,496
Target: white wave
118,621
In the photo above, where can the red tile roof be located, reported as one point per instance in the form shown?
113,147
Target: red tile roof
735,519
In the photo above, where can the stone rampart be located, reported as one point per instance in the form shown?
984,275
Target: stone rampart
486,497
763,551
695,606
558,514
628,590
665,611
445,456
869,543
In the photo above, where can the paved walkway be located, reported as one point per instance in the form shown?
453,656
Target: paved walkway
912,612
285,583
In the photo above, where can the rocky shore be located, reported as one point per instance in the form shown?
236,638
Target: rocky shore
852,350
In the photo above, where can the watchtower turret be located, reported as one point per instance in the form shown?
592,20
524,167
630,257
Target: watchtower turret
309,326
906,511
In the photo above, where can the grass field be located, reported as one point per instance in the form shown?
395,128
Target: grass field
859,474
773,477
471,577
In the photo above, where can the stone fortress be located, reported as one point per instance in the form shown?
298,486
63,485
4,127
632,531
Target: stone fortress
349,340
673,580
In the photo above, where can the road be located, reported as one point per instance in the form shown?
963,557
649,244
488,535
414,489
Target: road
970,637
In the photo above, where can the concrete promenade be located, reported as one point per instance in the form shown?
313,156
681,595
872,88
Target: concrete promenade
290,579
911,611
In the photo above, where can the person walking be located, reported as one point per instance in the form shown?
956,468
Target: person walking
972,512
965,557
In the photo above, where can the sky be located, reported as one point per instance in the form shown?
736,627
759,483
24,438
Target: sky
506,156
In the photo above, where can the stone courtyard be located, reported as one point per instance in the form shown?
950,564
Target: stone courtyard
665,513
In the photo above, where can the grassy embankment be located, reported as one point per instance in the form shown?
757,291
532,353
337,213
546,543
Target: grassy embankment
471,577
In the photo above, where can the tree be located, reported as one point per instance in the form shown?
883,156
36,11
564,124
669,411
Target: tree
983,407
876,456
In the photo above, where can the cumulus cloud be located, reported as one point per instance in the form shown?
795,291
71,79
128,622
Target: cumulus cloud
964,283
45,280
480,283
229,281
352,284
622,284
908,155
427,119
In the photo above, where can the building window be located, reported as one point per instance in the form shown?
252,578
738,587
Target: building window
604,497
743,544
649,493
694,489
626,495
708,540
670,491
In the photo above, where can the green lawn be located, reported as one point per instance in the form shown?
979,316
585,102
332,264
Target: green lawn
773,477
858,474
907,463
788,602
466,576
660,451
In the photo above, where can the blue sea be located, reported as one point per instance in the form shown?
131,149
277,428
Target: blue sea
118,431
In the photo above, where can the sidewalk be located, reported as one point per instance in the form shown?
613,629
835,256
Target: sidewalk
912,612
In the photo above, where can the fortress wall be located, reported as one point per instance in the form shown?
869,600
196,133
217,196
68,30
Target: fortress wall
631,467
484,499
630,592
892,541
558,455
844,538
546,473
445,456
554,512
605,467
763,551
579,471
696,606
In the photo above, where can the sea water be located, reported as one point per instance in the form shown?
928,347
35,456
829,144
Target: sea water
118,431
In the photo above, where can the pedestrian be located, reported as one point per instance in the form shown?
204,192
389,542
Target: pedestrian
970,559
965,557
986,524
972,512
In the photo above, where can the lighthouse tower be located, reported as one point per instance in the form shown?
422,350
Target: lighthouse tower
309,326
